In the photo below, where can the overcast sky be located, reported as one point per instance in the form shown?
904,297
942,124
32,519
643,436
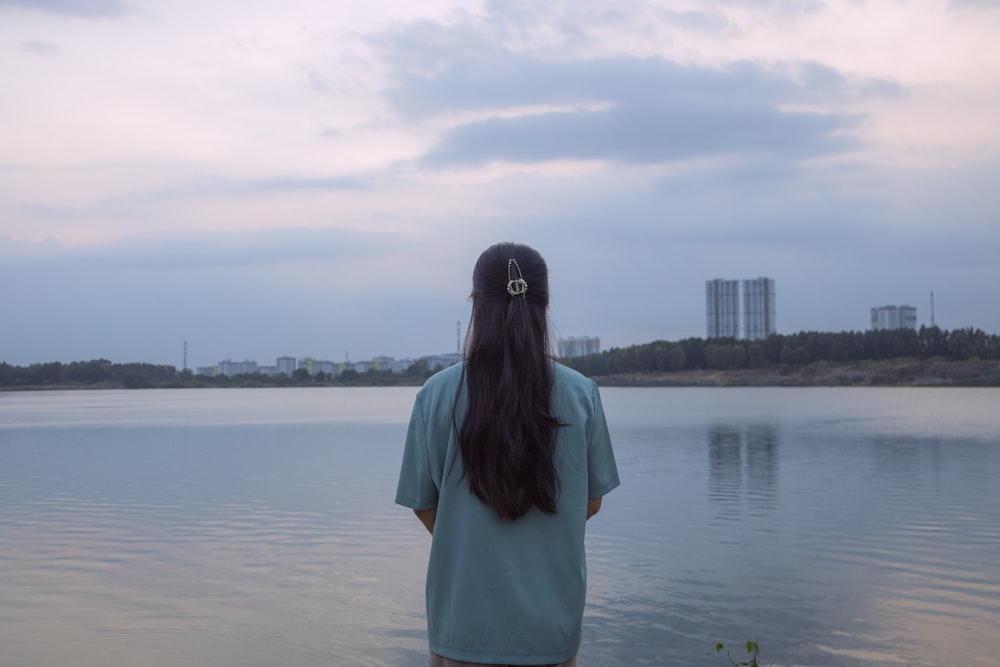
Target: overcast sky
315,178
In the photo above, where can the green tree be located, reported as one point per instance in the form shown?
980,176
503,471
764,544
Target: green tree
418,369
738,356
677,358
787,355
133,379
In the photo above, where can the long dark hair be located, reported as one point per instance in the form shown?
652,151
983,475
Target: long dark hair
508,436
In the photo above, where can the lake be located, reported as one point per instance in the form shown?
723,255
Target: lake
839,527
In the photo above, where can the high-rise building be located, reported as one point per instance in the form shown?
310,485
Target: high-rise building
759,311
579,346
885,317
286,365
894,317
722,308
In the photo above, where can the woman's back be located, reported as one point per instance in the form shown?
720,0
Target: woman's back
501,591
507,455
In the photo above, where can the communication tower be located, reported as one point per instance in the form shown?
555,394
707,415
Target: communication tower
932,307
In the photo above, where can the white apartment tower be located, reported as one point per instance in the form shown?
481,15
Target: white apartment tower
759,312
894,317
579,347
722,308
286,365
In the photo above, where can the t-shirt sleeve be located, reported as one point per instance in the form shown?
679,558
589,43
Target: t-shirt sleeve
601,468
415,488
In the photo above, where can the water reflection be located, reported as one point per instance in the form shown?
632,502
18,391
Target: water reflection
137,531
742,466
211,545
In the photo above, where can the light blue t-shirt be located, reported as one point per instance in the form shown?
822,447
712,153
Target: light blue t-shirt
509,592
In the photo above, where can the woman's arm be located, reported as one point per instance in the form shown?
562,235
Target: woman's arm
427,518
593,506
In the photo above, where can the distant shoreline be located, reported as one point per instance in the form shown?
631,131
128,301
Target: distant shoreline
235,384
892,373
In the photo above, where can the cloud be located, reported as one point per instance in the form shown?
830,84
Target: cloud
87,8
976,4
217,185
696,20
437,69
38,48
141,201
786,7
527,107
208,251
649,134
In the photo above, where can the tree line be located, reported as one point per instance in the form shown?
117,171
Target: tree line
798,349
103,373
95,372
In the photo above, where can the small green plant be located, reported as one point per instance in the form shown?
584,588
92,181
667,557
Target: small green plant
753,650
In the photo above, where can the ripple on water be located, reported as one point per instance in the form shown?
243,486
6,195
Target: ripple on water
828,526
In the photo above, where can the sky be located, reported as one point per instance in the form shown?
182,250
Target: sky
314,178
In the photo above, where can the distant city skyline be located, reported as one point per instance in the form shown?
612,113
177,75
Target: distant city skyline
573,346
288,365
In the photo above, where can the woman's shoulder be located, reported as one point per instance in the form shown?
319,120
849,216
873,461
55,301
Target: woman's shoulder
567,378
444,381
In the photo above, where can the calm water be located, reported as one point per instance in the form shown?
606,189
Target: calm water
840,527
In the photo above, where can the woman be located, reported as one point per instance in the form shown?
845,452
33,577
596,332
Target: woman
507,455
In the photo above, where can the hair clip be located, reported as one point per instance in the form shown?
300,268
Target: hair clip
515,286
